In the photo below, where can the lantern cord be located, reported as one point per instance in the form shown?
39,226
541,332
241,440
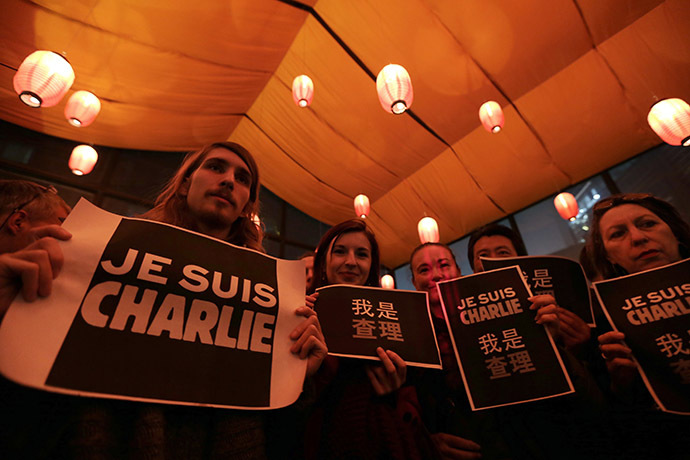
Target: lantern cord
8,66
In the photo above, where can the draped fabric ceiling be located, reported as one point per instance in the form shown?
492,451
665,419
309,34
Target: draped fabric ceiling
575,78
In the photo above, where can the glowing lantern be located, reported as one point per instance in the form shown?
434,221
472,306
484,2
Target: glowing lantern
670,119
256,219
387,282
43,79
82,108
362,206
566,205
491,115
83,159
302,90
394,87
428,230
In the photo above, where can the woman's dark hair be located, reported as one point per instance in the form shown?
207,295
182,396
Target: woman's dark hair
426,245
326,245
664,210
493,230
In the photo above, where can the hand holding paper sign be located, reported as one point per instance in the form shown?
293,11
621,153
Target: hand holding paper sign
619,360
309,342
455,447
546,312
390,375
574,331
36,266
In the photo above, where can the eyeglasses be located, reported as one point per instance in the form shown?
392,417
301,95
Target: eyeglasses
605,204
43,189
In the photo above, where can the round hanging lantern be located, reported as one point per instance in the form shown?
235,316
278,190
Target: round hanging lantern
566,205
670,119
82,108
83,159
362,206
394,87
387,282
491,116
43,79
428,230
302,90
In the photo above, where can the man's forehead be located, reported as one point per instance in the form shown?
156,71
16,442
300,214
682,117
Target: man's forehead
226,156
494,241
432,254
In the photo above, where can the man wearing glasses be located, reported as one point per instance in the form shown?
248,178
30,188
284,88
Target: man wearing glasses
30,256
25,207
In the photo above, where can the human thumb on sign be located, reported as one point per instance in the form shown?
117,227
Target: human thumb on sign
32,269
619,360
574,331
547,313
309,342
389,375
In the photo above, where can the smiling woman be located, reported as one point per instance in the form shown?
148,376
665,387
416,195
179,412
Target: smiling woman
358,413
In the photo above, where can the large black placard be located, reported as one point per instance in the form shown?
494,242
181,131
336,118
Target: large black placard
504,356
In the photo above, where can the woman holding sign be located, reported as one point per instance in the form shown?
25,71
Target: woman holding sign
357,411
455,430
632,233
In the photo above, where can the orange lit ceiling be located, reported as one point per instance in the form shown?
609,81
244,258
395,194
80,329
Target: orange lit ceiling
575,79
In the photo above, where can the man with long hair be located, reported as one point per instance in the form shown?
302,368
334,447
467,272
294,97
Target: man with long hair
214,192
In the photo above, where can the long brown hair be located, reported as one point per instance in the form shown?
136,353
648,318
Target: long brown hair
349,226
171,206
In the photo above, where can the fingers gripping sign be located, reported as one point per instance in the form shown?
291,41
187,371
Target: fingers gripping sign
619,360
455,447
309,342
32,269
547,312
389,375
574,331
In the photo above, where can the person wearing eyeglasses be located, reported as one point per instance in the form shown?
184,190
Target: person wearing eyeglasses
24,207
631,233
30,214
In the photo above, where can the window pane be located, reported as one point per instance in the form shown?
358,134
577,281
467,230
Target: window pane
545,232
45,153
142,173
459,249
271,211
663,171
302,228
272,247
293,252
403,278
